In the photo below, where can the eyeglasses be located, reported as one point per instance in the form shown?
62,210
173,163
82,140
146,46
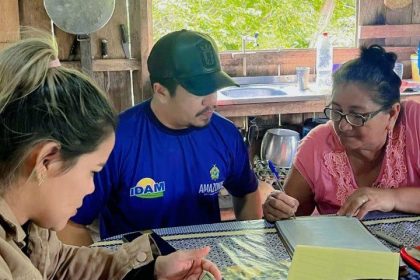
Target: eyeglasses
352,118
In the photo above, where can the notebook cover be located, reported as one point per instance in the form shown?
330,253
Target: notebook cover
327,231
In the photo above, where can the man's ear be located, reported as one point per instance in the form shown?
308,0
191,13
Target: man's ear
394,112
161,92
44,160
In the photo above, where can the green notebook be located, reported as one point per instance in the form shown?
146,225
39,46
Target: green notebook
327,231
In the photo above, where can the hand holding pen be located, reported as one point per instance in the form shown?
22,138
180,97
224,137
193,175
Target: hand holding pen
278,204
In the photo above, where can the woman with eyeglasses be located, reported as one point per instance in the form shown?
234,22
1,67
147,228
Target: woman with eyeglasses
367,157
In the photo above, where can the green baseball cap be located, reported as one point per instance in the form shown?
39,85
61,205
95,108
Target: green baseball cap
191,58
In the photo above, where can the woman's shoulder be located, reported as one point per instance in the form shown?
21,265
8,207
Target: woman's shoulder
410,111
321,135
410,108
319,141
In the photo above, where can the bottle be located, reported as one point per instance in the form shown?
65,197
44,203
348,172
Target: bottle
324,63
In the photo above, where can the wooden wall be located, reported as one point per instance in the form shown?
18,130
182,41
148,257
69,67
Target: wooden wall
390,23
397,29
284,62
400,26
9,22
111,73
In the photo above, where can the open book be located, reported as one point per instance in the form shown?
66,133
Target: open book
327,231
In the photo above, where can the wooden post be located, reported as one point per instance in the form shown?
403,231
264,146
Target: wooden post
398,16
371,12
9,22
85,54
415,19
32,13
141,44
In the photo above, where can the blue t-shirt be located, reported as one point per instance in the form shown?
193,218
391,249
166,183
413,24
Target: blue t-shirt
159,177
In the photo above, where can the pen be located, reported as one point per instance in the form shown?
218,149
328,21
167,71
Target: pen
391,240
276,175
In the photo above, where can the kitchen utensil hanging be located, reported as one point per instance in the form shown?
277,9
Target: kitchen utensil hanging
81,17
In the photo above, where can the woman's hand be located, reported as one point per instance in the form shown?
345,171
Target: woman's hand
279,205
364,200
185,264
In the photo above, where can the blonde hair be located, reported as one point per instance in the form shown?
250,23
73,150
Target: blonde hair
41,103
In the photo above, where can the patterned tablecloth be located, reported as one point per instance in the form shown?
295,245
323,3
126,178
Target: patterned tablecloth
253,250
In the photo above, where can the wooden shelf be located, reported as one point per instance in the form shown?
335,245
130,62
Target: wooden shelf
106,65
389,31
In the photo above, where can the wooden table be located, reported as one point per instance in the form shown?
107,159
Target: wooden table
242,249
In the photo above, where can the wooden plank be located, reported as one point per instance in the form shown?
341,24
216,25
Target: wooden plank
371,12
415,18
115,84
115,65
140,13
389,31
111,83
262,61
9,21
398,16
64,41
267,62
99,78
104,65
32,13
86,54
111,32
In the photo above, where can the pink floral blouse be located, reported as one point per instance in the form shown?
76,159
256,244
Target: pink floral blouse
323,162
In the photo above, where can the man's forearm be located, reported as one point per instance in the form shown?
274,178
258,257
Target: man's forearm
75,234
248,207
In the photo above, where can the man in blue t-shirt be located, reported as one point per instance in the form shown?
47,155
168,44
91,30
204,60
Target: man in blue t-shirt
173,153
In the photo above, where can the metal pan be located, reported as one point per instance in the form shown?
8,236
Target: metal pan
80,16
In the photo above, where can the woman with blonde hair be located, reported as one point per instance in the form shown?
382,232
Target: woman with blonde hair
56,131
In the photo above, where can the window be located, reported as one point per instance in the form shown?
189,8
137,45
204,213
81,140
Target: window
280,23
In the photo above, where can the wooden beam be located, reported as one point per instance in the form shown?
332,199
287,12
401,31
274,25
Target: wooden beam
399,16
388,31
262,63
105,65
86,55
102,65
141,44
9,21
32,13
371,12
415,19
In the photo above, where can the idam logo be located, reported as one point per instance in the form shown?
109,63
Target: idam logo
148,188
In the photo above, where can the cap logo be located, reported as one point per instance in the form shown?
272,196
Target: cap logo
207,54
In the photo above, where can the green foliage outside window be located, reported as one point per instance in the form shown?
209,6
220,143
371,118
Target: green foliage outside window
280,23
